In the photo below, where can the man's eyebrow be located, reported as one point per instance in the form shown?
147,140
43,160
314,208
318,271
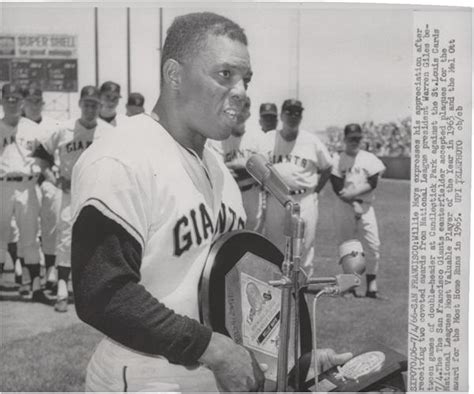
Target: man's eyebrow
236,65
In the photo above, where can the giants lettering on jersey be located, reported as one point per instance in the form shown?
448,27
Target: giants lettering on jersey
77,145
290,158
352,170
196,227
8,140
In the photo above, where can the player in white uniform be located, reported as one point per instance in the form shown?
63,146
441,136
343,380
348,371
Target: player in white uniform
68,142
305,164
18,175
235,151
50,197
354,177
135,104
268,117
148,203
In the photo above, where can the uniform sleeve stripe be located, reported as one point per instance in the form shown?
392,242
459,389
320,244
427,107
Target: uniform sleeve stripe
108,212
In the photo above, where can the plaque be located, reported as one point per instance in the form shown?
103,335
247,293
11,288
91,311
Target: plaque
235,297
377,369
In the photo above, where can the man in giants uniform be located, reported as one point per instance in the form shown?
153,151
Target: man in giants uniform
18,175
268,117
354,178
135,104
50,197
68,142
148,204
110,96
305,165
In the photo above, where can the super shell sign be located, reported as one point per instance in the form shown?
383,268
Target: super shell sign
47,60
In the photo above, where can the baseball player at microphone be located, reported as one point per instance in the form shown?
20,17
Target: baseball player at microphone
304,164
147,204
354,178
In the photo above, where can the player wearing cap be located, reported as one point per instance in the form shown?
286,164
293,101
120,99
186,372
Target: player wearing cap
235,151
268,117
354,177
305,164
50,197
110,96
147,209
18,175
135,104
68,142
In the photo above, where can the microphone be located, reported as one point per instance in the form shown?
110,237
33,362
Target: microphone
266,175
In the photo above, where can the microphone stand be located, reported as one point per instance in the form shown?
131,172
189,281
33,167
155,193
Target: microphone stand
289,284
290,281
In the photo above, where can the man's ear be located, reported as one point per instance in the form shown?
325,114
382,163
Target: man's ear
172,73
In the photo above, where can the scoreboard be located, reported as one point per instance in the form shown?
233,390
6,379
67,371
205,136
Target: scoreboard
49,61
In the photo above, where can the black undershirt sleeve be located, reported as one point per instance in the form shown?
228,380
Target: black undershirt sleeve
373,181
41,153
337,183
106,273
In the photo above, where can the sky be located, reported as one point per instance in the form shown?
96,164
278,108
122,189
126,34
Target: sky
346,64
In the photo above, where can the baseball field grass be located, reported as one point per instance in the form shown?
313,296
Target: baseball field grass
41,350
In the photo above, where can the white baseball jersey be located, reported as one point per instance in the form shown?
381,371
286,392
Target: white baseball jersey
117,121
18,197
69,141
235,151
355,170
48,125
17,146
172,202
120,122
297,161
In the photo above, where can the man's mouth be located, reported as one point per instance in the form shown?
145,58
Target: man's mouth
231,114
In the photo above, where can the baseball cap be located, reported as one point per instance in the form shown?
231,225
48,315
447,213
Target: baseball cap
136,99
11,90
352,129
110,87
291,103
90,92
34,92
268,109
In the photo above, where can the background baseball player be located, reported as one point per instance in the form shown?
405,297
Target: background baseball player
305,165
235,152
18,175
135,104
354,177
268,117
50,197
110,97
148,207
68,142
